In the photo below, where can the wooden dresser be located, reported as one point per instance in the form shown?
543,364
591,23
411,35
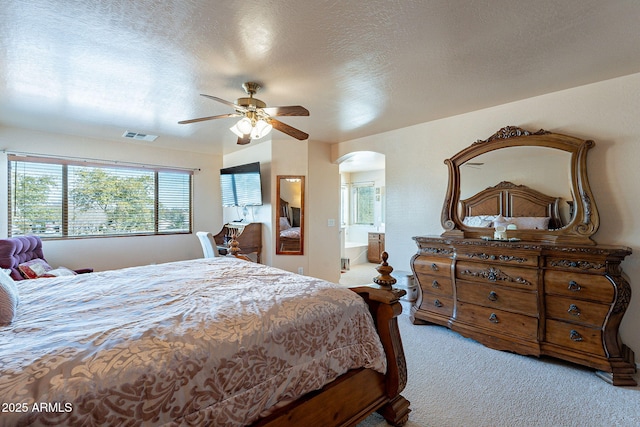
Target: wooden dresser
565,301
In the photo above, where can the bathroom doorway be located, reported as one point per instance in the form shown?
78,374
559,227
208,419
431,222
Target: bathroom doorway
362,218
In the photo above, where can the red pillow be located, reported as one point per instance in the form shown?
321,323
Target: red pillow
34,268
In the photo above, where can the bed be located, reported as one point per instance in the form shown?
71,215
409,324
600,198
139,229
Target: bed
216,341
507,203
290,232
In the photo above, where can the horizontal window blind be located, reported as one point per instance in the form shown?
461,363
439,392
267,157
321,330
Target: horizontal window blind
36,198
57,198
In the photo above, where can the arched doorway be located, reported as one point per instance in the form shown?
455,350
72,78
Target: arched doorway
362,219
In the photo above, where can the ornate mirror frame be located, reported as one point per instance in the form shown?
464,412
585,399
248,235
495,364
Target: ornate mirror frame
583,223
290,205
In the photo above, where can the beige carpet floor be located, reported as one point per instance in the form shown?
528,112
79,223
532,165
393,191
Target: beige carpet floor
457,382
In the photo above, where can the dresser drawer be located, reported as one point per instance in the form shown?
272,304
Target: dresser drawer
499,321
433,266
437,304
578,265
577,337
498,255
582,286
440,285
523,278
499,297
585,312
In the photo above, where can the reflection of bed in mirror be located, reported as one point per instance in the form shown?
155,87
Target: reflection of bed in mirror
289,227
508,203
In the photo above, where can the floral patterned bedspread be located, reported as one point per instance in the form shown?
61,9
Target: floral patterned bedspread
216,341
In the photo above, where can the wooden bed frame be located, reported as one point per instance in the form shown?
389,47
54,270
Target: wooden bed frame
355,395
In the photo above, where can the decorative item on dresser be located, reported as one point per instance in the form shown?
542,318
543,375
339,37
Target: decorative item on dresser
544,288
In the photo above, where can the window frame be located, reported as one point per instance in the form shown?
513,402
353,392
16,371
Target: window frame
356,202
100,164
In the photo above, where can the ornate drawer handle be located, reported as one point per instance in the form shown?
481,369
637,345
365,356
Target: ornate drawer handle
573,286
434,267
574,310
437,303
435,284
492,276
492,296
575,336
493,318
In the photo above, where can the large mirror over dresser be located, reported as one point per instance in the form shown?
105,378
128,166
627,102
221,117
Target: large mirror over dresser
517,268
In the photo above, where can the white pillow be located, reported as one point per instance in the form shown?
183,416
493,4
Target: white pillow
531,222
284,223
60,271
483,221
9,299
502,221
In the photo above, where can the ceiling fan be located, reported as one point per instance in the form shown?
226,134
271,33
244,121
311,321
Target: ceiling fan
257,119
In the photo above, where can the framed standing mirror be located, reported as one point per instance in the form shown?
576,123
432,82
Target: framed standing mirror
536,182
290,215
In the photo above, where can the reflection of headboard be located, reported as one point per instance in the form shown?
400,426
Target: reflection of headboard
511,200
284,210
291,213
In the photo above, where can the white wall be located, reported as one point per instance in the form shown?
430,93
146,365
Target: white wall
607,112
323,209
117,252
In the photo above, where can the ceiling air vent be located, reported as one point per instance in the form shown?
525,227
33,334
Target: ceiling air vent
139,136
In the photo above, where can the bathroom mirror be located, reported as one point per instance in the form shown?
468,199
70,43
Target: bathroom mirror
516,173
290,215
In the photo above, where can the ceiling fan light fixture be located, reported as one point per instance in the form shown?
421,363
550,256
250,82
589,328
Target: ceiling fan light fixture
243,127
261,129
257,120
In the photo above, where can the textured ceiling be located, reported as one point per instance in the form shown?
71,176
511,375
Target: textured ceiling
98,68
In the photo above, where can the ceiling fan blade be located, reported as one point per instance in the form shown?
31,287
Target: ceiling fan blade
224,101
246,139
291,110
202,119
291,131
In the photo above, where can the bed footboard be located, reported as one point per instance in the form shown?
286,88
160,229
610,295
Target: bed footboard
385,308
353,396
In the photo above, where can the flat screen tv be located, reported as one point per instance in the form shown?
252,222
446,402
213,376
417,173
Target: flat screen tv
241,185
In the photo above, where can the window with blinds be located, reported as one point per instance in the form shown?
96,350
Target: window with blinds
60,198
